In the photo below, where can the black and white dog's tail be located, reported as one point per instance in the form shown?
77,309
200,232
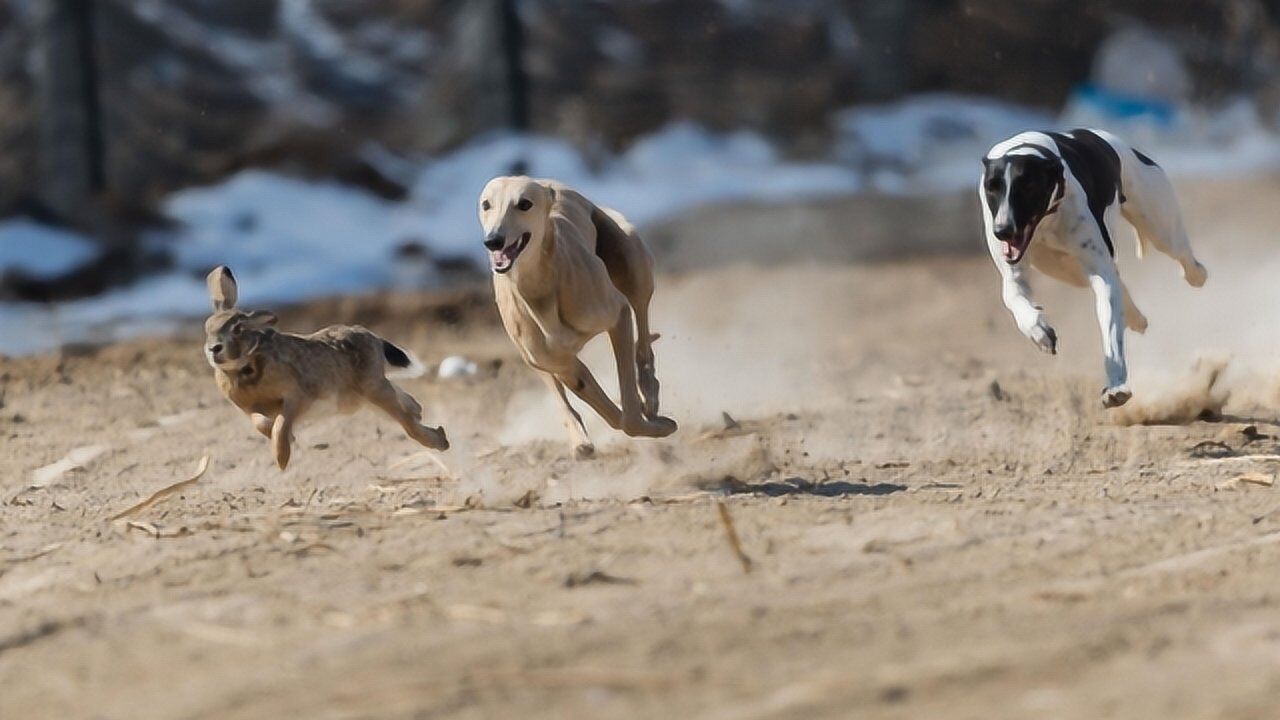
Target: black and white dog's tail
1150,204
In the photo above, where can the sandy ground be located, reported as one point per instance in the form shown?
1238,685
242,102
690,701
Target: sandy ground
939,521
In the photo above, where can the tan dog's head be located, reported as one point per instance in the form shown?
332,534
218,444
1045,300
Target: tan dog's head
513,213
231,335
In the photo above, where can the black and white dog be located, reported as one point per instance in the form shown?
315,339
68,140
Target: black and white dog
1064,191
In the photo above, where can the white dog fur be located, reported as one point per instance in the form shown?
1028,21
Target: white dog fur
1069,240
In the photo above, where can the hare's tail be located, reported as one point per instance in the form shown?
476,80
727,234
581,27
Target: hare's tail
402,362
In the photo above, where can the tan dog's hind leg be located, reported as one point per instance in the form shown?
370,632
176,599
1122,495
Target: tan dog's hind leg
631,271
578,437
648,377
405,410
583,384
634,421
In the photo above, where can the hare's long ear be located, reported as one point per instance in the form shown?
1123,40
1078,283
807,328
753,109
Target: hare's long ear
222,288
262,318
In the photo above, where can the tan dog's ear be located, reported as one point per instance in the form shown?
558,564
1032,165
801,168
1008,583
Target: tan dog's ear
262,318
222,288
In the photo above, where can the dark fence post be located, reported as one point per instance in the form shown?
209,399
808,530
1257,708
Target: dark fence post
72,157
511,37
885,29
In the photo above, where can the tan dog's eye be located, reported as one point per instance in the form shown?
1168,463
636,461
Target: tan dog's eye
524,205
485,205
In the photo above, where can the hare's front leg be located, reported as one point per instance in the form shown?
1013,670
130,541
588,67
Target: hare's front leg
401,406
262,423
282,431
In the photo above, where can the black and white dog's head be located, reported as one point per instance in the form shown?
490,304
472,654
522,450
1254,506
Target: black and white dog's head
1021,187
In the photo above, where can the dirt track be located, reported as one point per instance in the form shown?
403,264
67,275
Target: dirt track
941,522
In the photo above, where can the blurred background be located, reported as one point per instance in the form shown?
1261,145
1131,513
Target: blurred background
323,147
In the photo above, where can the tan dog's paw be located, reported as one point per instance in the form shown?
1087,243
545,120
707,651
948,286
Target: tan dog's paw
651,427
434,438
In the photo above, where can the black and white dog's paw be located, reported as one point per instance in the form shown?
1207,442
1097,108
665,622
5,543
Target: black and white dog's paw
1044,336
1114,397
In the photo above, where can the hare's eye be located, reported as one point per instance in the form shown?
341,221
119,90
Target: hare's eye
524,205
485,205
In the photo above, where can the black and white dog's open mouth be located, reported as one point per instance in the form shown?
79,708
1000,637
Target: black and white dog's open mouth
1017,247
503,260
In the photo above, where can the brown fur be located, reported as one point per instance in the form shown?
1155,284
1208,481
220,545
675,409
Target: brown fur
583,270
276,377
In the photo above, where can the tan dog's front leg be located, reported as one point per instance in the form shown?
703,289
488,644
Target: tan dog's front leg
282,433
578,437
634,421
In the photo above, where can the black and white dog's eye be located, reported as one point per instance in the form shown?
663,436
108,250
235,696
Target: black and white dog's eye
524,205
485,205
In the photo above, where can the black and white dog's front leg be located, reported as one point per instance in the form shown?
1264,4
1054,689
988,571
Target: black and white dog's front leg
1109,294
1017,297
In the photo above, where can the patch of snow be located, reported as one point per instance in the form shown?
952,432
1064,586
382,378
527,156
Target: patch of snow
290,239
928,143
40,251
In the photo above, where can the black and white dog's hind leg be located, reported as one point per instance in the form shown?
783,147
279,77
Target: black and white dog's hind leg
1151,207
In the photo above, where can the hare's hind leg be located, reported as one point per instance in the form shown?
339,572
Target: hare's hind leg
401,406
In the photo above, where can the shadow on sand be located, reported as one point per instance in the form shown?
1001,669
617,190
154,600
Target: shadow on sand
798,486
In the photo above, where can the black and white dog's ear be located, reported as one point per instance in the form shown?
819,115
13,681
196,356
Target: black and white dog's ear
1059,171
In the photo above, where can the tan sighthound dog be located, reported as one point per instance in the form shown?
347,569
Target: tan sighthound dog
276,377
564,271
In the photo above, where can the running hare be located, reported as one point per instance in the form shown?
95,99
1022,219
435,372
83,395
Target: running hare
276,377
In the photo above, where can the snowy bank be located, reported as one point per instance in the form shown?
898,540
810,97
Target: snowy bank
290,239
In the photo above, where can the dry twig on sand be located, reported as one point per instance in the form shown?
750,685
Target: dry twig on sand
730,533
166,492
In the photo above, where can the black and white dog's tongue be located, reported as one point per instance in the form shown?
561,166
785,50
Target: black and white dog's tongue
1011,253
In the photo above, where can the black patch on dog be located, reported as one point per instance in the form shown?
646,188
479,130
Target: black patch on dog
1096,165
1143,158
395,357
1034,181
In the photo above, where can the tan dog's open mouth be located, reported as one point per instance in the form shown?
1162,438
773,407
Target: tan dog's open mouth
503,260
